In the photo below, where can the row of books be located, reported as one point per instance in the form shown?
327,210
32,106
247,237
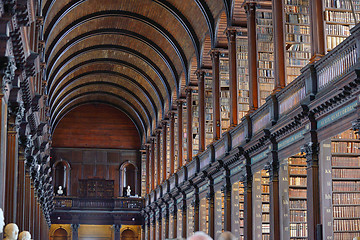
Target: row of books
298,215
298,54
297,161
297,170
266,73
346,186
297,204
297,193
341,4
346,198
297,62
342,30
346,135
266,56
298,230
340,17
346,211
297,181
347,225
265,198
266,46
346,236
297,29
297,18
265,217
345,147
266,64
345,161
297,2
346,173
297,8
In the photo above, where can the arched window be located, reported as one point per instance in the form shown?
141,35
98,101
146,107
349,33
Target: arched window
128,234
60,234
61,170
128,177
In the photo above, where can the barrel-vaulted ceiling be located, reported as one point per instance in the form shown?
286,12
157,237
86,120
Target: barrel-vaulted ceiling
136,55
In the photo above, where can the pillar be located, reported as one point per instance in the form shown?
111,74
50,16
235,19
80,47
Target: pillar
20,195
311,149
317,33
201,84
27,207
211,201
248,218
147,175
11,172
234,112
166,227
184,217
279,43
196,205
174,213
172,142
152,160
3,138
274,200
75,232
164,150
189,123
250,9
215,57
116,228
180,132
227,204
158,157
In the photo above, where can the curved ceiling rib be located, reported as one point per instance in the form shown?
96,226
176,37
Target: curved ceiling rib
111,61
113,31
60,93
145,59
131,54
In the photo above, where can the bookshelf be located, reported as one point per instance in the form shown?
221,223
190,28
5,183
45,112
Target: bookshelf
163,223
224,94
265,53
179,223
190,219
176,143
297,37
241,211
168,151
161,158
195,122
208,110
203,214
243,74
143,175
185,136
345,172
265,199
219,212
339,19
297,197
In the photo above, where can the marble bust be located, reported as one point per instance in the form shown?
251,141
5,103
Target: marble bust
11,231
60,191
2,223
24,235
128,191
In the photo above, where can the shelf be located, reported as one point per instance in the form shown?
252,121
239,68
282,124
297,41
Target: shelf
345,154
346,191
346,179
346,167
294,186
297,198
344,139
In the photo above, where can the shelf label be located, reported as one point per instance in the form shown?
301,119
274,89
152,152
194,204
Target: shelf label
289,140
336,115
259,157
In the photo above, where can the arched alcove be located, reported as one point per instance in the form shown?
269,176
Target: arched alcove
61,176
60,234
128,177
128,234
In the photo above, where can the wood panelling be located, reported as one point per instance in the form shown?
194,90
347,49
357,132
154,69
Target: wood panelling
96,126
95,163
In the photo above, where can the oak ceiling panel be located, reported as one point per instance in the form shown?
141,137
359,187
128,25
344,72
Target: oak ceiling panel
112,54
106,99
105,90
216,7
121,26
113,69
96,80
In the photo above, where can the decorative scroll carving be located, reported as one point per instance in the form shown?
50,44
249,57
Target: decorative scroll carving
7,69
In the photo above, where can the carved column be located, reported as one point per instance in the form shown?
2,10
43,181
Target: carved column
247,180
116,228
172,142
234,112
311,149
166,227
211,201
158,158
215,57
279,43
27,207
317,33
148,224
273,169
152,160
154,226
201,83
164,150
184,216
21,200
11,171
75,232
159,224
250,9
147,174
174,213
196,204
226,189
180,133
189,123
32,209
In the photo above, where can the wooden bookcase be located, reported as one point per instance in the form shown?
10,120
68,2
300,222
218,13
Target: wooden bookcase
219,212
185,136
297,37
209,113
339,19
241,211
176,143
261,209
143,175
224,94
190,220
96,188
265,50
345,171
243,74
195,122
168,150
204,215
161,158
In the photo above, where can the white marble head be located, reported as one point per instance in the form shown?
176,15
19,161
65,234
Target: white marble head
2,222
24,235
11,231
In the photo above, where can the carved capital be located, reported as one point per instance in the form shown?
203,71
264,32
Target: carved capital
117,227
215,54
356,127
7,71
231,34
75,227
200,73
311,151
250,7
